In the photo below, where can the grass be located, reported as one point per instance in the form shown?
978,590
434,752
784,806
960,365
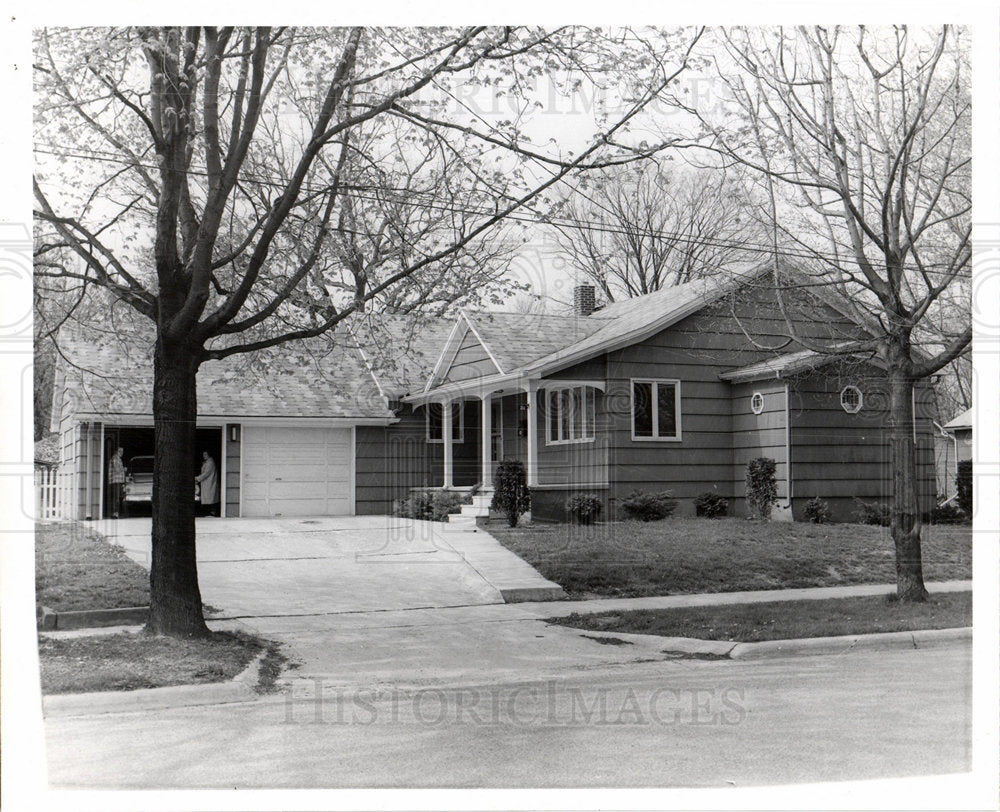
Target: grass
686,555
125,662
76,569
786,620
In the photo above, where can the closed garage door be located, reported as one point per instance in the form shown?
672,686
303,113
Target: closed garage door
297,472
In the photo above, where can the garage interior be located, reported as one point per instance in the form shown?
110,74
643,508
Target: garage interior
137,441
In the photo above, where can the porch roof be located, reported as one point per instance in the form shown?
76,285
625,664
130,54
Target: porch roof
962,421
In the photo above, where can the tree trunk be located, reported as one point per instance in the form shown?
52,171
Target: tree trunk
905,512
175,599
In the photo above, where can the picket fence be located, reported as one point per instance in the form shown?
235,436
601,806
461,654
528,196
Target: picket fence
55,493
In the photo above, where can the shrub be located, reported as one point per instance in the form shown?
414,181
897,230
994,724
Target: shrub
648,507
817,511
510,494
429,505
762,487
948,513
584,508
415,506
444,502
711,505
963,481
873,513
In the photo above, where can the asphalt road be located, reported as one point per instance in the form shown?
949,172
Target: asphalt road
859,715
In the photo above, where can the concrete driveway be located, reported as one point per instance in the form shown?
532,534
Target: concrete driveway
259,568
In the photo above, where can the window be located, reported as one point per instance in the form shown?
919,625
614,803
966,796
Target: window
757,403
851,399
656,410
435,415
570,414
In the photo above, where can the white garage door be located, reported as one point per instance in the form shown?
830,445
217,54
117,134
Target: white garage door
297,472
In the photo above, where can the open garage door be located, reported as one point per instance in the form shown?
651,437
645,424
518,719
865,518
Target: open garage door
293,471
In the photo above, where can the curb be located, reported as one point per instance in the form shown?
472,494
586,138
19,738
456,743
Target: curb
239,689
48,620
924,638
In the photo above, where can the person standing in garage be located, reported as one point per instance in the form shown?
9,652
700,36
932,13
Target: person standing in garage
116,481
208,482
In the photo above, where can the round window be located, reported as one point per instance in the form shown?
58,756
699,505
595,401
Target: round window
757,402
851,399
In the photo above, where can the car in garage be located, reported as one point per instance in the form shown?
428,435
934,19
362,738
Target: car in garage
139,482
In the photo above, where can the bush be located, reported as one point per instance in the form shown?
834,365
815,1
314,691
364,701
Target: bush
762,487
948,513
817,511
711,505
510,494
429,505
873,513
648,507
584,508
963,481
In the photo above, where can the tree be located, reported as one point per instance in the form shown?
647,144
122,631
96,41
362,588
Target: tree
860,141
637,231
241,188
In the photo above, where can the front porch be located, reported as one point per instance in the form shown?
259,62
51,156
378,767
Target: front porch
477,425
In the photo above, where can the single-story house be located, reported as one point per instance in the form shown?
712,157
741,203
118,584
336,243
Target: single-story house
675,390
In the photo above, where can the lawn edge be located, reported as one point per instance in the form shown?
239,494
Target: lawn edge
238,689
841,644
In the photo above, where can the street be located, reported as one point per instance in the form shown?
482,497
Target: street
684,722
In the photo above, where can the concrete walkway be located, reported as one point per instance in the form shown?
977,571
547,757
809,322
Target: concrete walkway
488,643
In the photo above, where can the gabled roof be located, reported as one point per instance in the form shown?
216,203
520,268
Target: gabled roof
963,421
110,377
400,351
517,339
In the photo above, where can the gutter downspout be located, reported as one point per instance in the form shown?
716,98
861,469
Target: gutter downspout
954,442
788,446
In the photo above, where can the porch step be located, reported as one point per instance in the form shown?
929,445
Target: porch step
459,522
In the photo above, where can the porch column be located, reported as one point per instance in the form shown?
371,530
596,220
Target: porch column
446,437
487,441
532,433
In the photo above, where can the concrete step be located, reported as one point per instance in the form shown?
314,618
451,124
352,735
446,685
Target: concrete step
458,523
474,510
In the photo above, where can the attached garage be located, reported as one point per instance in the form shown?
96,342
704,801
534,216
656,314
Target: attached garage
297,471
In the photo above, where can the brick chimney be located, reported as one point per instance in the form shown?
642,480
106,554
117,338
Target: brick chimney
584,300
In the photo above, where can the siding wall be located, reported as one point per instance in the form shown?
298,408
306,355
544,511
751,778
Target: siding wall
696,351
232,485
88,468
841,457
758,435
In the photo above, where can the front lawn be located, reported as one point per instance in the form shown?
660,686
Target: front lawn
76,569
785,620
683,556
124,662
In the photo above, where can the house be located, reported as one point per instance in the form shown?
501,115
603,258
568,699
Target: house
954,444
676,390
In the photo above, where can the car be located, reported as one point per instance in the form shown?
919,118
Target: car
139,481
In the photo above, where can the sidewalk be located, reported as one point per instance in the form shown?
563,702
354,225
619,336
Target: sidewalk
494,642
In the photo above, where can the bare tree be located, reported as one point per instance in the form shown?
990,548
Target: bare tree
632,232
859,140
222,181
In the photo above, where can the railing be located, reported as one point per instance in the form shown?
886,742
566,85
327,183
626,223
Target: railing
55,493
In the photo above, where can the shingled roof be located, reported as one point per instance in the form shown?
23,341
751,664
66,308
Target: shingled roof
107,376
517,339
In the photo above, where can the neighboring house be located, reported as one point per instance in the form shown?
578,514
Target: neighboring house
954,444
675,390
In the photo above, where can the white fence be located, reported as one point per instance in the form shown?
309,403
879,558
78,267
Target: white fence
55,494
